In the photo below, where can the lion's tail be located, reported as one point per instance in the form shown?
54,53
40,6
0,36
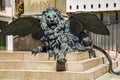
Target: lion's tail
109,59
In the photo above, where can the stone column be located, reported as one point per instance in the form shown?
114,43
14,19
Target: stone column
9,43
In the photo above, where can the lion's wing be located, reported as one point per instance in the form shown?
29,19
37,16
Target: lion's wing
86,21
3,25
24,26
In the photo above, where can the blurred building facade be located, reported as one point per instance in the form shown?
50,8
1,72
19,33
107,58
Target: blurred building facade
8,9
107,10
38,6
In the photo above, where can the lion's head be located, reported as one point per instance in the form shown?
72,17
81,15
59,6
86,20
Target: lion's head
51,17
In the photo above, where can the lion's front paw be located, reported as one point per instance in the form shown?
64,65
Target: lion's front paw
61,60
34,51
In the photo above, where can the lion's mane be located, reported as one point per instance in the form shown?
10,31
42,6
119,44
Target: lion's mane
60,18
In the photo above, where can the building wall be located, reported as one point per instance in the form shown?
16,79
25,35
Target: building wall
108,9
111,42
8,7
7,11
38,6
92,5
99,6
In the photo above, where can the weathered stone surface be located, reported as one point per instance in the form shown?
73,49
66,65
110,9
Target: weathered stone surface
22,66
26,43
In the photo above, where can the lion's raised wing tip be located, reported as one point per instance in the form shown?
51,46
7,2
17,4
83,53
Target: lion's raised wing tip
87,21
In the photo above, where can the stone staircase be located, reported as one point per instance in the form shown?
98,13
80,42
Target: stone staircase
24,66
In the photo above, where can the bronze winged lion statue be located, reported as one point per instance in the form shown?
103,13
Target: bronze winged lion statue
61,36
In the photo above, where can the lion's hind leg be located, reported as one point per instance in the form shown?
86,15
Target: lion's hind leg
91,53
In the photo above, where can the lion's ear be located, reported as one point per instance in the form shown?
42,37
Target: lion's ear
43,12
59,14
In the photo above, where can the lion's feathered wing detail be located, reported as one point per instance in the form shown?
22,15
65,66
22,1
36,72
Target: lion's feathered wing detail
60,37
3,24
86,21
24,26
77,23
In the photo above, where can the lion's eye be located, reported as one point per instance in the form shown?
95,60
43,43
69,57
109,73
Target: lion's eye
48,16
54,16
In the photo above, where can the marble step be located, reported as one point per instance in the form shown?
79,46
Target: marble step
26,56
52,74
50,65
23,66
109,76
83,64
18,74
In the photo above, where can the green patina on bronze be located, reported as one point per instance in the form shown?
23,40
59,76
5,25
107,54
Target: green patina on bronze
60,36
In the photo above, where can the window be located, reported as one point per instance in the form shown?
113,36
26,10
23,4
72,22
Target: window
99,5
70,7
114,4
2,5
91,5
106,5
84,6
77,7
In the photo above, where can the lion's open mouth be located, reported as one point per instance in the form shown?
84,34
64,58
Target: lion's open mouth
53,27
53,23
